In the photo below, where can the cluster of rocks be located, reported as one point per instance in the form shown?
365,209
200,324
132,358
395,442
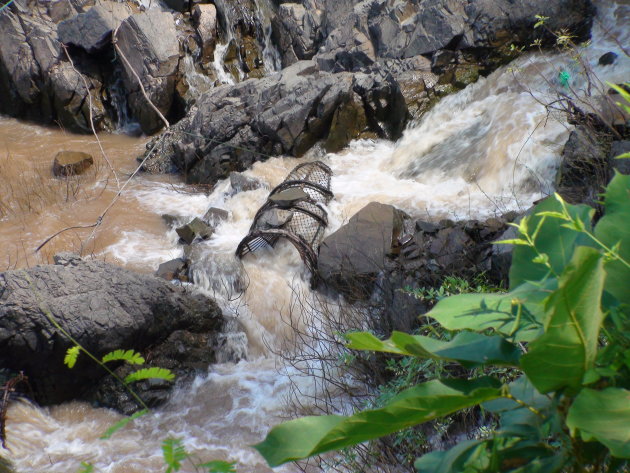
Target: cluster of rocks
382,250
105,308
369,63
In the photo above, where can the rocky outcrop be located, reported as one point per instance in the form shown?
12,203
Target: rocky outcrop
286,113
37,82
104,308
149,42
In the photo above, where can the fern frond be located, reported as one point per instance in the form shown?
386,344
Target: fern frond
174,454
130,356
150,373
122,422
71,356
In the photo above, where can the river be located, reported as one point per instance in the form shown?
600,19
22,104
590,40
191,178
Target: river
488,149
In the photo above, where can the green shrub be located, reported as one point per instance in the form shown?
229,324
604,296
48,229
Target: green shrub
563,326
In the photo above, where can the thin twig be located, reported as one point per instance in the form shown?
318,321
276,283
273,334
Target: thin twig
144,92
89,96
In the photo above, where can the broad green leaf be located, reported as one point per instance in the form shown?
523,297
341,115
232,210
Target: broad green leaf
614,228
130,356
310,436
71,356
465,347
517,419
519,314
604,416
568,348
174,454
466,454
122,423
217,466
150,373
552,239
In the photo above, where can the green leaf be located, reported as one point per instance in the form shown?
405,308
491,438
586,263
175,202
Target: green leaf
174,454
122,423
568,348
466,454
604,416
552,239
519,313
614,228
465,347
218,466
129,356
71,356
150,373
310,436
86,468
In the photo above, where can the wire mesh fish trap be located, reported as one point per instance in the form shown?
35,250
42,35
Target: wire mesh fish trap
293,211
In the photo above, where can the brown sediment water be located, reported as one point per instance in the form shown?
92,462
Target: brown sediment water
480,152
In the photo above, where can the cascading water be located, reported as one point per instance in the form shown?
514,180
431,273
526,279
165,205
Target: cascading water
271,55
485,150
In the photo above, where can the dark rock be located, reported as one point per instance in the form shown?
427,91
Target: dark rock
607,59
351,258
173,269
584,169
214,216
149,42
92,30
242,183
174,220
196,229
618,148
36,80
426,227
102,306
71,163
286,113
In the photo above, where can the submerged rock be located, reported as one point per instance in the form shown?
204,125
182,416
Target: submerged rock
101,306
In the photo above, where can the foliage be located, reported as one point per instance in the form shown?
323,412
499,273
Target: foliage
122,423
563,325
71,356
130,356
175,453
86,468
150,373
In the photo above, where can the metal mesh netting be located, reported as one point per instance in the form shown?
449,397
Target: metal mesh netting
293,211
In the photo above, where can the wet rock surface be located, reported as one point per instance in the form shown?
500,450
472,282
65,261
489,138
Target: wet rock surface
286,113
104,308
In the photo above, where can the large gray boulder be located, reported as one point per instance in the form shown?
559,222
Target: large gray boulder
351,258
149,42
287,113
92,30
101,306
